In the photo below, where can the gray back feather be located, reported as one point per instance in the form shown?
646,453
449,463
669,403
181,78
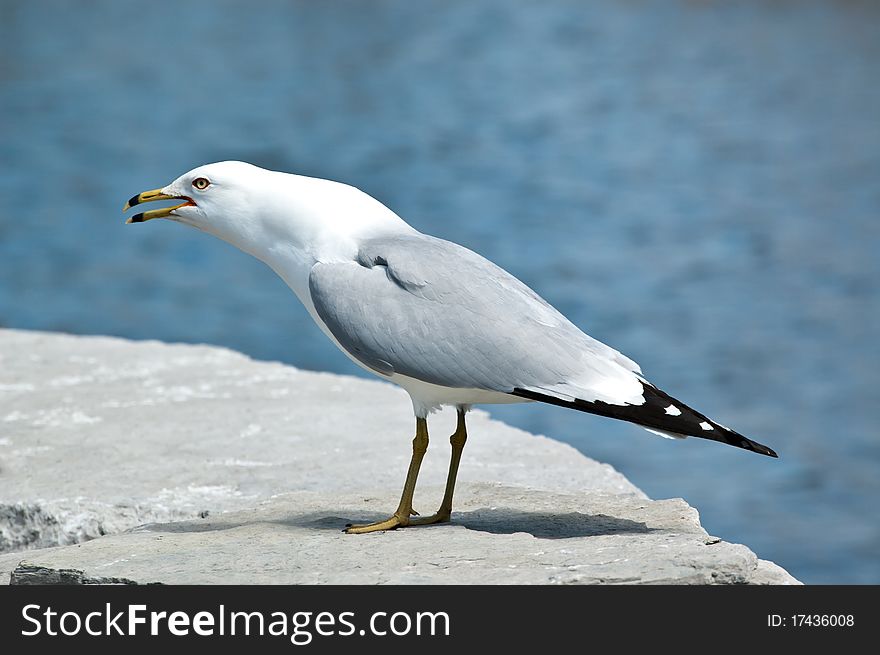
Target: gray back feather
440,313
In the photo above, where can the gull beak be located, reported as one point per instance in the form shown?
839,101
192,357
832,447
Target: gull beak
150,196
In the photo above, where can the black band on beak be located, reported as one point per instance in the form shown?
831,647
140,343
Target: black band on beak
134,200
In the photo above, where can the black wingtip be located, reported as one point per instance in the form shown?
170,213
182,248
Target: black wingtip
734,438
655,414
763,450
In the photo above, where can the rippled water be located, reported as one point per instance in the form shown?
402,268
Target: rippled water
697,184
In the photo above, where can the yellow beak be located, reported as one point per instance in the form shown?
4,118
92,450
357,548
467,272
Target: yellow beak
150,196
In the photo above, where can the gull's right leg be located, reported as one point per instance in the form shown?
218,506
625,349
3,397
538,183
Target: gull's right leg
401,518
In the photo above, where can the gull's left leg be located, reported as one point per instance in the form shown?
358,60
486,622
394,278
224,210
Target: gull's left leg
401,518
458,439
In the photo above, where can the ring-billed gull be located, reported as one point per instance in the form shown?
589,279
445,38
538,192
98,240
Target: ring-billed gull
447,325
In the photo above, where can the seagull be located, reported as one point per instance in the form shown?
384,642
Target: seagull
444,323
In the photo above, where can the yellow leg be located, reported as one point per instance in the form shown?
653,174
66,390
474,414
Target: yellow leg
400,518
458,439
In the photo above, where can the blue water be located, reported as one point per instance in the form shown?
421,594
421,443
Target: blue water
697,184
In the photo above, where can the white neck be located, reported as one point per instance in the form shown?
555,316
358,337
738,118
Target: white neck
297,221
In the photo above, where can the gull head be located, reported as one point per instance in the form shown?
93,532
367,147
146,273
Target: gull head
264,212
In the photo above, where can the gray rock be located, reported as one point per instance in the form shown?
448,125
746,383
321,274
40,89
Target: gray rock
195,464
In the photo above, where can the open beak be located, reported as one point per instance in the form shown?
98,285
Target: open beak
150,196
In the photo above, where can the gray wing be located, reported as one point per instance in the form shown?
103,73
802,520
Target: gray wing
438,312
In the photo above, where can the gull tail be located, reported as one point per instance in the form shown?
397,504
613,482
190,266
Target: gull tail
660,413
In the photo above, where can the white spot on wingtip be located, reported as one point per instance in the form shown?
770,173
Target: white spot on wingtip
672,410
706,426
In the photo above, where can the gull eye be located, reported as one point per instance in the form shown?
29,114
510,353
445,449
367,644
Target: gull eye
201,183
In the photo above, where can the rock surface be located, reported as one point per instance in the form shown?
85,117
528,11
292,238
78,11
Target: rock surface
146,462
